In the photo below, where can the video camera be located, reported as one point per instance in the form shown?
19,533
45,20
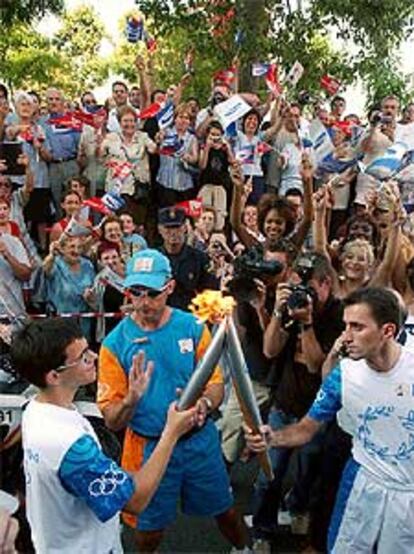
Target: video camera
302,293
248,267
378,118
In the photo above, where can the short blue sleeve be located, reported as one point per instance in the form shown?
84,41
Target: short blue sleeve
88,474
328,401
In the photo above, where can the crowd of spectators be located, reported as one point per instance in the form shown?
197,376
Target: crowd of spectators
252,208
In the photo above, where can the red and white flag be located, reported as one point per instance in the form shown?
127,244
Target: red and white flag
150,111
226,76
192,208
263,148
120,170
272,79
330,84
96,204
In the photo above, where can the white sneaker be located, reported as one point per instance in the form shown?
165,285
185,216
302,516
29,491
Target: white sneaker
261,546
248,520
284,518
245,550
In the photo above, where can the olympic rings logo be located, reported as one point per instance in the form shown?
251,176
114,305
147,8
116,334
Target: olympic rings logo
108,482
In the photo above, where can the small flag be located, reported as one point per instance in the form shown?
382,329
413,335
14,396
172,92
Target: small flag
295,74
226,76
26,135
239,38
134,29
172,146
92,119
263,148
387,164
113,201
165,116
77,229
108,277
260,69
330,84
150,111
95,203
246,154
192,208
272,80
120,170
66,121
150,43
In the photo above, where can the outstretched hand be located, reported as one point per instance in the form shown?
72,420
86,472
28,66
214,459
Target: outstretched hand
138,378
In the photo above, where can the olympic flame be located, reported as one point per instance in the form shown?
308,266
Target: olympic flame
212,306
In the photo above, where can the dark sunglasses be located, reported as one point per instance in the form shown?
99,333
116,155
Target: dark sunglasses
139,292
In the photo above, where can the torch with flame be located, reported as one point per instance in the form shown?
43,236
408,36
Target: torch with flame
214,307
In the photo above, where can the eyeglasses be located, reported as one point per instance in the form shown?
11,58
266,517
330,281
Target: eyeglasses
140,292
85,358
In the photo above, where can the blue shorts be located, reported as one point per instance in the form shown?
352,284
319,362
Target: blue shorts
196,476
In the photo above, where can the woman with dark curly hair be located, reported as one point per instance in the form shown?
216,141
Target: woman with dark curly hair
275,214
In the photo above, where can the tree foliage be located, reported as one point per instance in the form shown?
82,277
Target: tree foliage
70,60
79,41
25,11
26,58
373,29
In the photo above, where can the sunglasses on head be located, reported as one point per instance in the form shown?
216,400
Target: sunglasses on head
139,292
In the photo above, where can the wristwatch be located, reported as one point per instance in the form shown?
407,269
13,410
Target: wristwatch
208,403
306,326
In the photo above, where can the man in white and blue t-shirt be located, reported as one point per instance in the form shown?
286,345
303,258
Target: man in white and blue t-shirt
74,491
372,391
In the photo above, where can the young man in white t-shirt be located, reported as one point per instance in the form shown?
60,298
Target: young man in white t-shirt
372,390
74,492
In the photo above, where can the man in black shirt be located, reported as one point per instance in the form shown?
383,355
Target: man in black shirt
304,325
252,318
190,266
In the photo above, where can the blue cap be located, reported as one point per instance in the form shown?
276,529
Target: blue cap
148,268
171,217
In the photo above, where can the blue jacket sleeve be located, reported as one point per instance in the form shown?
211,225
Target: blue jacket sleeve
328,400
88,474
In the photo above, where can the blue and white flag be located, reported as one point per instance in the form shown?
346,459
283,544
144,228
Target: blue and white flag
330,164
113,201
389,163
172,145
165,116
246,154
321,141
231,110
260,69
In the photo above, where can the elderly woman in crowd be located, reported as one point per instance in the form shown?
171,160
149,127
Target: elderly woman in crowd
69,278
178,158
125,154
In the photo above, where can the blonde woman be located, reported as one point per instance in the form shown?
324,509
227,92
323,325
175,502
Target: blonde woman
357,264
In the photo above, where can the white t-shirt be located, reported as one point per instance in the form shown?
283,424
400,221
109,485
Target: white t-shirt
377,409
74,492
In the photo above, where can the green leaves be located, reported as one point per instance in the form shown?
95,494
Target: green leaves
18,11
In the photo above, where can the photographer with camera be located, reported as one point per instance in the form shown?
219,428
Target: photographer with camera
380,136
305,322
257,274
